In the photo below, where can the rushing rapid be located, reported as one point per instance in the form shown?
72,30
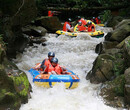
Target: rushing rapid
77,54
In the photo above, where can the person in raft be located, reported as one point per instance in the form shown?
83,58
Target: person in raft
82,20
81,27
54,68
93,20
52,13
46,62
91,27
67,26
98,20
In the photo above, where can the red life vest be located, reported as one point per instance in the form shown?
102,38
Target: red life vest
57,69
83,21
81,28
64,27
46,64
98,21
50,13
91,28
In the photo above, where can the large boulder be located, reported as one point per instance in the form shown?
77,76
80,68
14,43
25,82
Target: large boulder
127,85
113,92
113,21
52,24
107,66
101,47
14,84
119,34
35,31
102,69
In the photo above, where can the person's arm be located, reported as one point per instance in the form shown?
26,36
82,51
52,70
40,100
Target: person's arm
93,28
69,28
45,71
42,65
63,70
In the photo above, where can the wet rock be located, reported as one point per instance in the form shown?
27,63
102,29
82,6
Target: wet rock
99,48
37,40
35,31
14,85
107,37
127,86
107,66
52,24
102,47
119,34
113,21
123,42
126,48
109,45
125,21
110,65
102,69
113,92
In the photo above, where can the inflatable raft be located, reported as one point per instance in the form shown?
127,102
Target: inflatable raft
71,80
96,34
102,25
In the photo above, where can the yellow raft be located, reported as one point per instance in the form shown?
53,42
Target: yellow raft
102,25
96,34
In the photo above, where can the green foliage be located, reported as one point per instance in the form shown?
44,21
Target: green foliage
105,15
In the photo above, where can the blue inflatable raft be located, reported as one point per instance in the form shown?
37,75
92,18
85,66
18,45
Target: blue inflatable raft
71,80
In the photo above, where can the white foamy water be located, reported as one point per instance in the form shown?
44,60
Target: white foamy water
77,54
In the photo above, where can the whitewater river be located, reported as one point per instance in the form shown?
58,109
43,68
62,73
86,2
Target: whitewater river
77,54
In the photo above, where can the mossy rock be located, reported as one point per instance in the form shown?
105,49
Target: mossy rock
14,86
100,58
126,48
21,85
113,92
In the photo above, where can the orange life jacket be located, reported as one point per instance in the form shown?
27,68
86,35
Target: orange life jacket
50,13
57,69
91,28
46,64
83,21
64,27
81,28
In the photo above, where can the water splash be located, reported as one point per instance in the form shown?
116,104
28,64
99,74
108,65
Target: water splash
77,54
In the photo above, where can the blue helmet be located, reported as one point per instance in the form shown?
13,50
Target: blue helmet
89,23
51,54
54,60
79,22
